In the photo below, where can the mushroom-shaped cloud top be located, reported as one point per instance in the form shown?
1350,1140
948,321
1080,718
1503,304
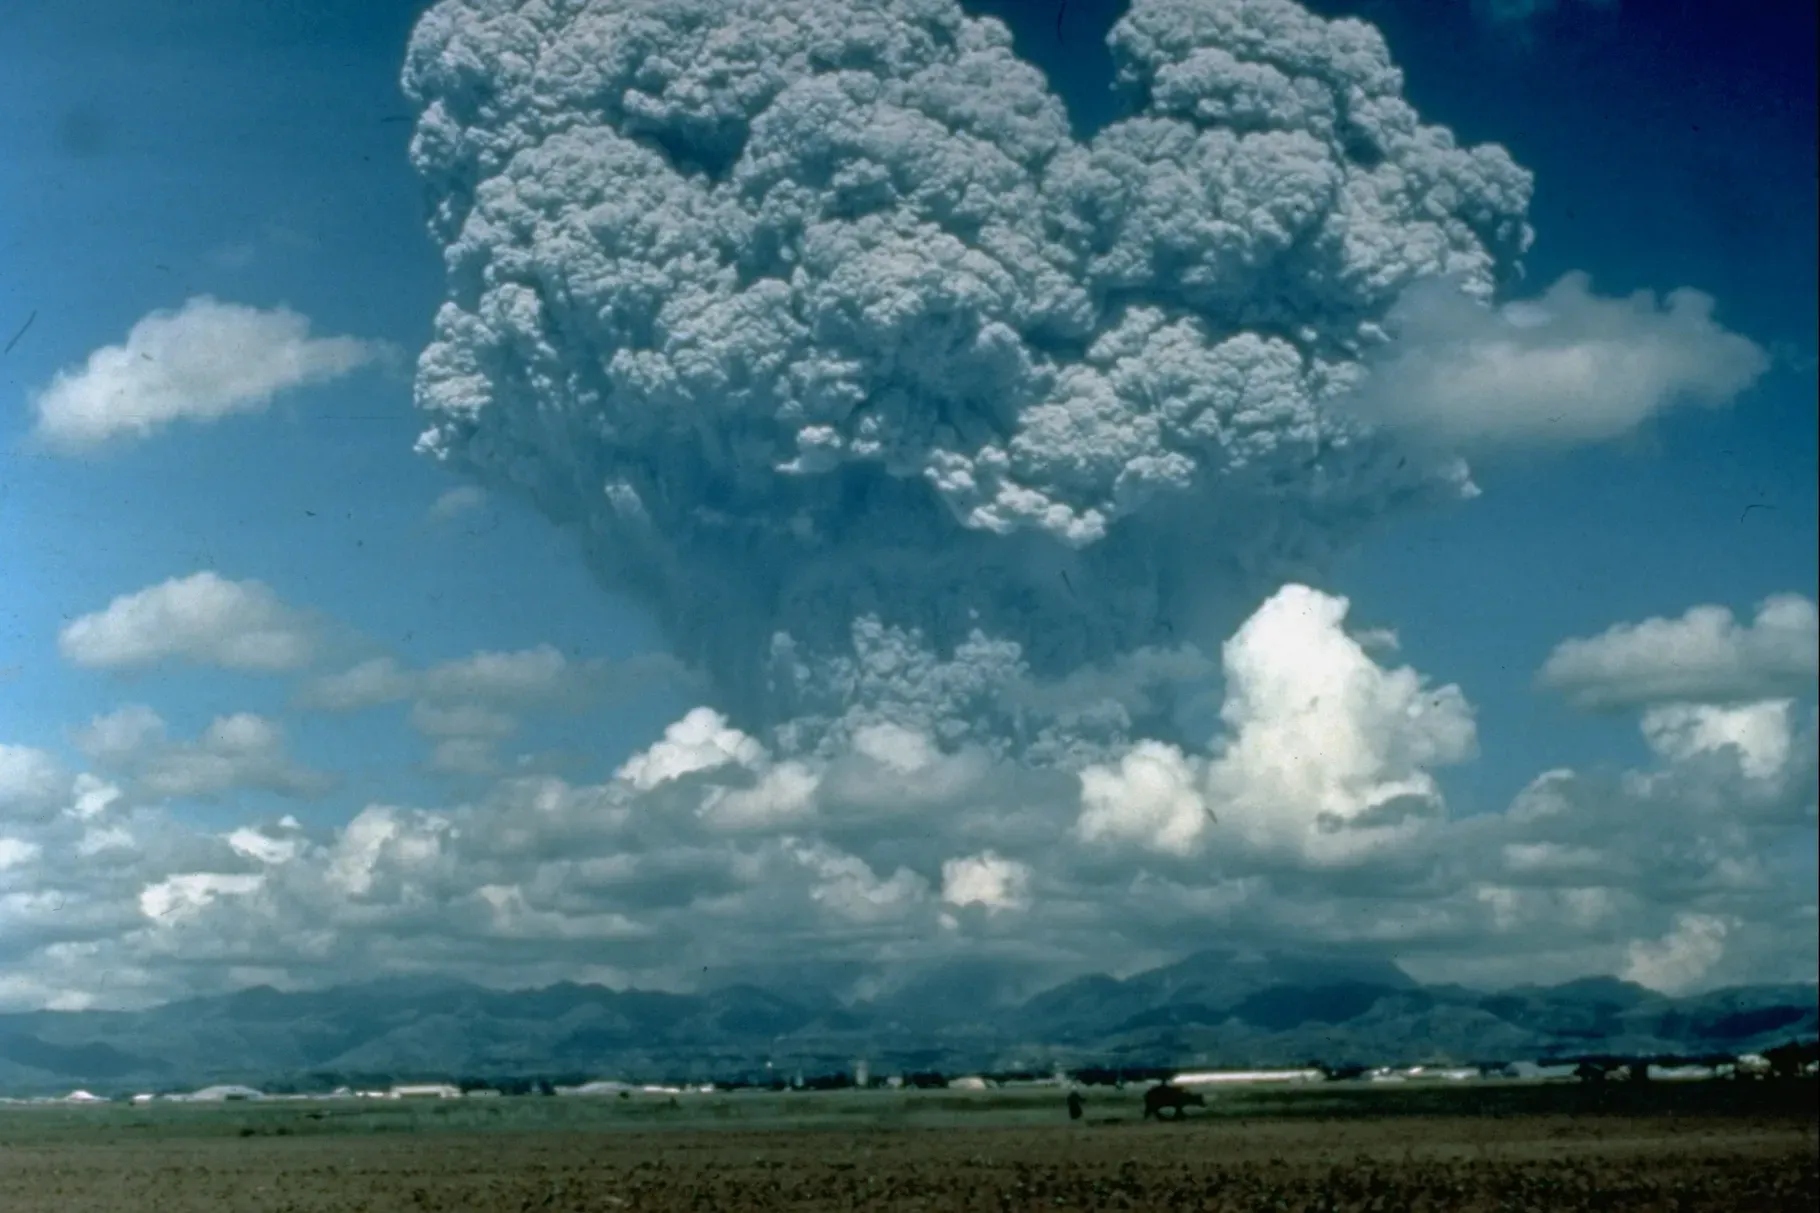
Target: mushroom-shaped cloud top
809,312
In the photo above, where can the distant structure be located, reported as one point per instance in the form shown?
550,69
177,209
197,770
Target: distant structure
1535,1072
603,1086
1214,1077
1165,1097
426,1090
223,1093
862,1073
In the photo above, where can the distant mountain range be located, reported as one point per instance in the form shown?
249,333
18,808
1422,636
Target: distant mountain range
1214,1008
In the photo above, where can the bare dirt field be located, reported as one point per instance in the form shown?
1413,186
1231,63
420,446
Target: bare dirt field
869,1151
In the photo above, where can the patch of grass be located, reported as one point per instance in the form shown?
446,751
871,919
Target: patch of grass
885,1110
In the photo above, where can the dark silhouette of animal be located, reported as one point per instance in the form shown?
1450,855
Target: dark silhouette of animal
1075,1103
1163,1095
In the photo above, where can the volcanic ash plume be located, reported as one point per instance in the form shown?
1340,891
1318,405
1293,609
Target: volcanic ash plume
881,389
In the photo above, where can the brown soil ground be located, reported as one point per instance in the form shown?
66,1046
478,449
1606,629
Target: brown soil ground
1416,1163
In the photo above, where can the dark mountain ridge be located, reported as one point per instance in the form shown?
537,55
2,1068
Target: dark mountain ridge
1213,1008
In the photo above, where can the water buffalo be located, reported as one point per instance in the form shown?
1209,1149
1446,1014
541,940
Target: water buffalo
1175,1099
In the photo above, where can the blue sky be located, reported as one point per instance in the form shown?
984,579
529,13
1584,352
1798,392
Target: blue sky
258,154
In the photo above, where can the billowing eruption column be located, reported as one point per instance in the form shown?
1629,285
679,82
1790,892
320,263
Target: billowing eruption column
880,388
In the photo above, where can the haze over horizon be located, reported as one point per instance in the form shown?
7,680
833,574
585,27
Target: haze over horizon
846,489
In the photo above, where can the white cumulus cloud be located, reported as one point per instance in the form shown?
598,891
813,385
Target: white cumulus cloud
1325,754
203,618
986,880
1568,367
1705,656
1154,795
700,741
1761,735
278,843
118,737
177,897
1326,748
203,361
847,887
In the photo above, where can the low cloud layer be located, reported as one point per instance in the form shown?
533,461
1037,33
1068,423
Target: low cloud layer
242,751
1706,655
1313,815
201,362
467,706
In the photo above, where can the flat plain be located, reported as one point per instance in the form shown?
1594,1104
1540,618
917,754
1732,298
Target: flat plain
1493,1147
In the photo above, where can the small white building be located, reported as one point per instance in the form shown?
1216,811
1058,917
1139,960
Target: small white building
83,1097
970,1082
1530,1070
1432,1073
426,1090
1206,1078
